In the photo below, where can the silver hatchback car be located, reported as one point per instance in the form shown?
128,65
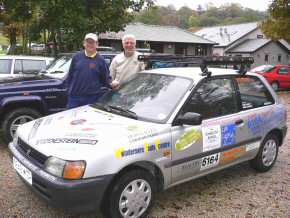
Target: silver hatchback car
164,127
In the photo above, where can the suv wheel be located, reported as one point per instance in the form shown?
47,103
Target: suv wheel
132,195
13,119
275,86
267,154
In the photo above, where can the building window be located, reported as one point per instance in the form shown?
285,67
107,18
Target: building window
260,36
266,57
200,50
279,58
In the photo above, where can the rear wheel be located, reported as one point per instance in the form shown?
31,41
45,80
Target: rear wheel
275,86
267,154
132,195
15,118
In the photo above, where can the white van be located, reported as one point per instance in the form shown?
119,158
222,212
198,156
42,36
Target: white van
13,65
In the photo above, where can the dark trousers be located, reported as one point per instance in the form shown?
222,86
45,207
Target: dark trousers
77,101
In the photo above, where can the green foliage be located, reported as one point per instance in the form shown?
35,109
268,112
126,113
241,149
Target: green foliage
64,22
186,17
159,15
277,26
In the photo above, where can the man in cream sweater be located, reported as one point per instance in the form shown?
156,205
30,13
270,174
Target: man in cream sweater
125,64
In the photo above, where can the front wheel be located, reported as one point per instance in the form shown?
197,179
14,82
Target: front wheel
132,195
15,118
267,154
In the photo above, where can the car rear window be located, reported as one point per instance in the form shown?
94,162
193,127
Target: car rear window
29,66
5,66
253,92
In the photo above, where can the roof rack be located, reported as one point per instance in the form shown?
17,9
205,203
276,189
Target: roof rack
159,61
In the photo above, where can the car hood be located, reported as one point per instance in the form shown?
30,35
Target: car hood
23,82
83,132
21,78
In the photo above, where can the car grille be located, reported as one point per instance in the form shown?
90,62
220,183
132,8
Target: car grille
32,154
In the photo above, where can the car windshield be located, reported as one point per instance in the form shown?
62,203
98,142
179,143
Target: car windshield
263,68
61,65
151,97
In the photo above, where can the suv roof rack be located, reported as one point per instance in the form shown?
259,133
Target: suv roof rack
159,61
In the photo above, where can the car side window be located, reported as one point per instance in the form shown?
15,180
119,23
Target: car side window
213,98
253,93
33,66
5,66
18,67
283,70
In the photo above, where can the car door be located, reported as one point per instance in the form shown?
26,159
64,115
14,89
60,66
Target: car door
258,111
219,140
5,67
284,77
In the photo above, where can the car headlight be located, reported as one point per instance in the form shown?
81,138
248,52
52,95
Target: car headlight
65,169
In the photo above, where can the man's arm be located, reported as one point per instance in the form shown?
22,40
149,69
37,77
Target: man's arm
69,75
106,78
113,69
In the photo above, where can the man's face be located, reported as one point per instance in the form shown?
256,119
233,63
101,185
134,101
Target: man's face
129,45
90,45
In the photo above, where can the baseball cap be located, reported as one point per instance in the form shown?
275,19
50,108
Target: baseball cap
92,36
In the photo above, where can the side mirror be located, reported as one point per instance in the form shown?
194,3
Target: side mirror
190,118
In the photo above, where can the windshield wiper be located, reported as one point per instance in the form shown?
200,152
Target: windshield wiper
116,109
125,112
56,71
101,106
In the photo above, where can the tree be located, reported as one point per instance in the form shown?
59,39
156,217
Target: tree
64,22
184,14
277,26
16,16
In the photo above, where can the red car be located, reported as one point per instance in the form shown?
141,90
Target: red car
278,75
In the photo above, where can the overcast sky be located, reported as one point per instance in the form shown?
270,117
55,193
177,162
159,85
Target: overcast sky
260,5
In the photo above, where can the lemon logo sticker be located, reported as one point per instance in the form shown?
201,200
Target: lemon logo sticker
146,147
187,139
157,143
118,153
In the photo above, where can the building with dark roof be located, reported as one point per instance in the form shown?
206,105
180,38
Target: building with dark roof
162,39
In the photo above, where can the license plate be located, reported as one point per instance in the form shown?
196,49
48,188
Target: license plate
210,161
22,170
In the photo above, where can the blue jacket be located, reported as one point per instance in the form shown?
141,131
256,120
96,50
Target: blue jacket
87,75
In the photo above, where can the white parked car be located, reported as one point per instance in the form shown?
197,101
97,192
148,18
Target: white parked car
15,65
164,127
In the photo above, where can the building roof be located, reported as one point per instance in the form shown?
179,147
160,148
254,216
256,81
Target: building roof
155,33
227,34
285,44
252,45
249,46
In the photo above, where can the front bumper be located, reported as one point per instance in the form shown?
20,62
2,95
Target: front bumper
74,195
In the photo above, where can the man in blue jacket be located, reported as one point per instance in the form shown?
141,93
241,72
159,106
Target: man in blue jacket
87,75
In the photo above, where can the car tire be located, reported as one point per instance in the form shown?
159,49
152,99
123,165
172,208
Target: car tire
15,118
275,86
267,154
134,189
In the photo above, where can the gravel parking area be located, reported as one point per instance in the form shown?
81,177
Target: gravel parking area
235,192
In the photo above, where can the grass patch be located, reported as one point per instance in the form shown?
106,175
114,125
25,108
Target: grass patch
3,40
2,52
